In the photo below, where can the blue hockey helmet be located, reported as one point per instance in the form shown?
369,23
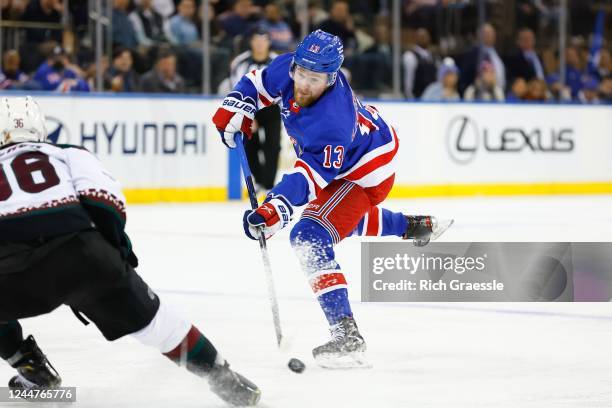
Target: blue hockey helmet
320,51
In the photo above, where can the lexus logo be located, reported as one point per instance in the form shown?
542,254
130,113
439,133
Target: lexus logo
462,139
57,132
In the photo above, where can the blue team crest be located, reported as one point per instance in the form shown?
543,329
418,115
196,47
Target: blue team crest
314,48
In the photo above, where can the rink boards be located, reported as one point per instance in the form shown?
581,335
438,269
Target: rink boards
167,149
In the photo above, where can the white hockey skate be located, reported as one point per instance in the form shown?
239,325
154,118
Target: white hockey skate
345,350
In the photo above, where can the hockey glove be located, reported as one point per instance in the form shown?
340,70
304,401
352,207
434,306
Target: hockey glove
272,216
234,116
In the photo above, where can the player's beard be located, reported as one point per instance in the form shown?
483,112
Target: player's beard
302,99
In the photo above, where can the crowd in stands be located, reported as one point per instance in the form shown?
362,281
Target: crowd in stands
157,47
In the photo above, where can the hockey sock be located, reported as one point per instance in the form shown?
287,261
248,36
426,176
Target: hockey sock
195,352
381,222
332,294
313,246
11,338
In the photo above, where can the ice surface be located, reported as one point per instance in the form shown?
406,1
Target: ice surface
424,355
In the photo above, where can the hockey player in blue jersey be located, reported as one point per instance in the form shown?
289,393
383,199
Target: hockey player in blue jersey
345,167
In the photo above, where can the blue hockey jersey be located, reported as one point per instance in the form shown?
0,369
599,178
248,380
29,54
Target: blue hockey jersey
336,137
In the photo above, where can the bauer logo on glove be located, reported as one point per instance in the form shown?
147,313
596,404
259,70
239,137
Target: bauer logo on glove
272,216
235,116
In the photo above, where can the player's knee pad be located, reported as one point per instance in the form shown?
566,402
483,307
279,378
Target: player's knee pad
313,246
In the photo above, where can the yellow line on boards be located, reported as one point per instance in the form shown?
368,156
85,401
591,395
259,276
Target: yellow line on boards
453,190
208,194
179,195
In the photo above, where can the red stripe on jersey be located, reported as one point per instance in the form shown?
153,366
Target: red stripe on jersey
303,165
372,222
327,280
362,120
264,100
373,164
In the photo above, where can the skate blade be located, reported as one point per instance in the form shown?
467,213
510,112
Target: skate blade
442,226
353,360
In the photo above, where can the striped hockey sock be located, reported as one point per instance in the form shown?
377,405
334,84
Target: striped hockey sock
195,352
330,287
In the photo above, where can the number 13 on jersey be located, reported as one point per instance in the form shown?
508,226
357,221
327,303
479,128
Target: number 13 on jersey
339,151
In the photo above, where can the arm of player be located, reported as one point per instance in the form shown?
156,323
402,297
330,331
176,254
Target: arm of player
256,90
312,172
100,194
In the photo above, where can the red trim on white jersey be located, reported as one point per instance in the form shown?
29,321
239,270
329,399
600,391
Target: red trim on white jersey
263,97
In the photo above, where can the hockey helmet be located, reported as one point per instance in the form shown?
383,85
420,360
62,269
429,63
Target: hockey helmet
319,51
21,120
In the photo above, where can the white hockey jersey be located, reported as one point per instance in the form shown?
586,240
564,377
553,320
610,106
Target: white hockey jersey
48,190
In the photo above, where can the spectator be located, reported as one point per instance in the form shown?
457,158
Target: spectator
421,13
124,34
89,70
485,87
43,11
589,92
183,30
445,89
163,78
12,9
528,14
316,14
419,65
605,89
281,36
558,91
263,145
518,90
11,77
57,74
120,77
485,51
537,91
164,7
573,70
220,50
148,24
340,24
375,65
524,62
239,20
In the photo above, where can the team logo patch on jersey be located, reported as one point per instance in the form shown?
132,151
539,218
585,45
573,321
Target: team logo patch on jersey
293,106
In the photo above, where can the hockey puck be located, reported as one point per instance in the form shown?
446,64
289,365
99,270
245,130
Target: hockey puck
297,366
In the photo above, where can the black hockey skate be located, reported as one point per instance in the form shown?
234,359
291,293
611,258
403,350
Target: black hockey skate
33,368
232,387
424,228
346,348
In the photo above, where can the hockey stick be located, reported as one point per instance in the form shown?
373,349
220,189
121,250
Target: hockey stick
246,171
